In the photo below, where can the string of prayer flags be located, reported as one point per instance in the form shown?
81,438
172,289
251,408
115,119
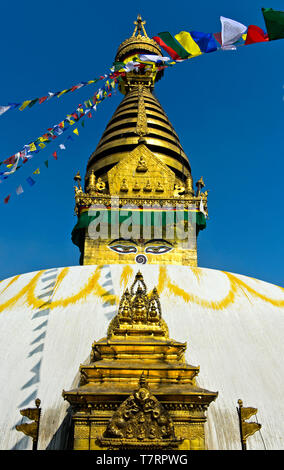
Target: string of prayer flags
58,129
30,180
30,103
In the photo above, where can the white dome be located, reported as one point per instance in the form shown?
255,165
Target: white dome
233,326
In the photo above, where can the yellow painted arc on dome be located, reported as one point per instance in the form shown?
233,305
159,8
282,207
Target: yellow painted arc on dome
126,276
239,282
11,302
14,279
165,282
91,287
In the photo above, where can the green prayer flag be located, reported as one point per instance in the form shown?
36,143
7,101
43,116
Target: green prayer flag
83,123
46,163
32,102
274,21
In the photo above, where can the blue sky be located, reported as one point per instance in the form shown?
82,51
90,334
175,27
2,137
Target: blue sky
227,108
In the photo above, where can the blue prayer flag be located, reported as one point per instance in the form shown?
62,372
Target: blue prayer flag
30,181
205,41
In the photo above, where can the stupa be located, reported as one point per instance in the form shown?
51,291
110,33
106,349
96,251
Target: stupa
107,346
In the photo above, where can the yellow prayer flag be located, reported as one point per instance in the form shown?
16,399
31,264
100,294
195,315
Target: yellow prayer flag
37,172
76,131
185,39
24,105
10,165
32,147
41,145
61,93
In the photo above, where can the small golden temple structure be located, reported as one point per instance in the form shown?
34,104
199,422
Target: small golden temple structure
138,392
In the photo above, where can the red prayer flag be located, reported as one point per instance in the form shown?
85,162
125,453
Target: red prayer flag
42,99
218,37
6,200
10,160
255,34
54,155
89,114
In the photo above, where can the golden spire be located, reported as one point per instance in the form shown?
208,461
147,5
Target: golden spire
139,24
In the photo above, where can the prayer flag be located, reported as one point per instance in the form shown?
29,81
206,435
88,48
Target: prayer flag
54,155
30,181
32,147
232,31
255,34
36,172
42,99
185,39
19,190
46,163
62,146
76,131
24,105
205,41
150,58
62,92
6,200
32,102
274,21
3,109
171,45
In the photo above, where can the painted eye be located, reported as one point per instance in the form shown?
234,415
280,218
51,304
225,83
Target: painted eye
123,249
158,250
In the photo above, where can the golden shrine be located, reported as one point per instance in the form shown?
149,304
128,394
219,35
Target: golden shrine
138,392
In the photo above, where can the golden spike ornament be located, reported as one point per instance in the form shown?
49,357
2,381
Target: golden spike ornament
31,429
246,428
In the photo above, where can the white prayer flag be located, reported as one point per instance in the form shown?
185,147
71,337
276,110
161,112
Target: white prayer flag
232,31
3,109
153,58
19,190
62,146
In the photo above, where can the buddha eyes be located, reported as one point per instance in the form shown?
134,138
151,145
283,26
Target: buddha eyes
154,249
158,250
124,249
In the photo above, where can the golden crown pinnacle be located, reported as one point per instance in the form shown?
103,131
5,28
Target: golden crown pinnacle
139,25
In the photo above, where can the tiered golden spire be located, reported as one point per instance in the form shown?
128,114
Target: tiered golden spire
140,162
